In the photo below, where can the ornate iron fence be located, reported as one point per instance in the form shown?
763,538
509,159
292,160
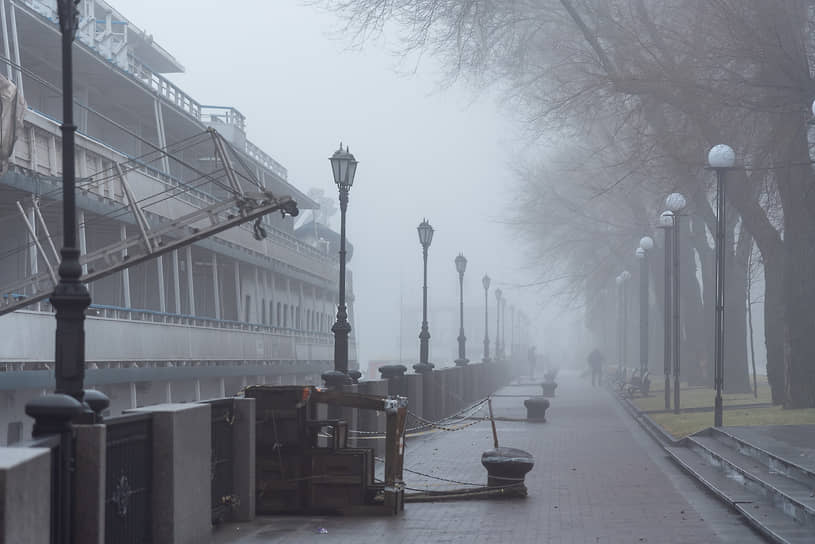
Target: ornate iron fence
128,480
224,498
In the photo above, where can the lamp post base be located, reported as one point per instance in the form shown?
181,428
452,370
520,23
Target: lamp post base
334,379
422,368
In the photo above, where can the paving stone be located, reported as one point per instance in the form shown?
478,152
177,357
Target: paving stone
598,478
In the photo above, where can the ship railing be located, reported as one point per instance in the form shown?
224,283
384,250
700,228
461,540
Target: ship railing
156,316
43,127
223,114
163,87
106,311
263,158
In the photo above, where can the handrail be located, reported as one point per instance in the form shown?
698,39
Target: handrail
220,323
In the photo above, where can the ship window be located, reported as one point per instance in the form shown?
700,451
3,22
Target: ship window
263,311
247,307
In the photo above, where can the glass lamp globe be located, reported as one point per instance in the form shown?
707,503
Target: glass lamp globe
721,156
676,202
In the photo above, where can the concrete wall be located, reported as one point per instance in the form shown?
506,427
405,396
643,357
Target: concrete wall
25,491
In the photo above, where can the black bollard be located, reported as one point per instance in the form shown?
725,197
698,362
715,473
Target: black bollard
549,389
536,409
506,468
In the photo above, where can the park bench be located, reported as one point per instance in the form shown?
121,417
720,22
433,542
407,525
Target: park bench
638,384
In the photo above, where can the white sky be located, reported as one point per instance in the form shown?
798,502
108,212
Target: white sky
423,150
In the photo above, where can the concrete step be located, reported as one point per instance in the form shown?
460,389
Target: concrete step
785,464
794,498
757,509
712,478
774,524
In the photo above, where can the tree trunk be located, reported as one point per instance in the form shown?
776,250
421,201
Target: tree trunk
702,320
774,325
736,364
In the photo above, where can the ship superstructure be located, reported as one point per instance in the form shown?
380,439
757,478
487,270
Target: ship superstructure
255,302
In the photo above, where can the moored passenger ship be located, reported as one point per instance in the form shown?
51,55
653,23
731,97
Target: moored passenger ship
253,303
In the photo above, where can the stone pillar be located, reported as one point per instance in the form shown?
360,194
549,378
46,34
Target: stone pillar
91,459
351,417
25,485
182,452
414,394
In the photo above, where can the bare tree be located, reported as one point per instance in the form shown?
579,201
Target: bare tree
679,76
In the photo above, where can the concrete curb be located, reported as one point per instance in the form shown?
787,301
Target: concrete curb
654,430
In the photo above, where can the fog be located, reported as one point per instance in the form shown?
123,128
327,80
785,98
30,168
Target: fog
425,150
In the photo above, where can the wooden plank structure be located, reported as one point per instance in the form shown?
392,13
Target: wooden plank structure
294,474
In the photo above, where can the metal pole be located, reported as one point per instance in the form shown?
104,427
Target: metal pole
667,309
462,358
720,248
424,336
497,329
625,327
643,315
676,337
342,327
70,297
503,328
620,326
486,325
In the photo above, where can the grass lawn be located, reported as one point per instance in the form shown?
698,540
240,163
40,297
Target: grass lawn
689,423
700,397
684,424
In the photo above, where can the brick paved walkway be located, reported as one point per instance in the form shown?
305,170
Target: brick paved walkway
598,478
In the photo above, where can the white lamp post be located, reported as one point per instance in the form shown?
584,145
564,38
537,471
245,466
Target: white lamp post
646,244
666,223
676,202
721,158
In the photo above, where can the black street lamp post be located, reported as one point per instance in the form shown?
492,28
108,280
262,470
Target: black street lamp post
721,158
646,245
666,222
461,266
54,414
485,281
425,231
676,203
344,168
498,324
70,298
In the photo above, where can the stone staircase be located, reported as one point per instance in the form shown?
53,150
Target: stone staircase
775,491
